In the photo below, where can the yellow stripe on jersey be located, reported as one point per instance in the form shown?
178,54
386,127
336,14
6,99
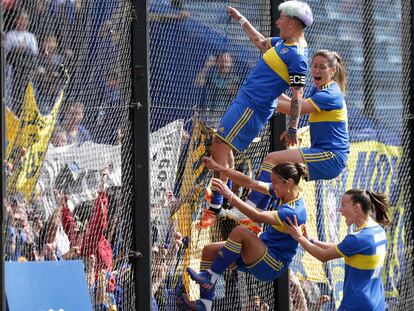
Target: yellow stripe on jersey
269,42
365,262
281,227
314,104
267,166
274,264
261,258
339,251
318,157
273,60
240,123
337,115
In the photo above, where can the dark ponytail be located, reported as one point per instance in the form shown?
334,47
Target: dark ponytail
287,170
372,202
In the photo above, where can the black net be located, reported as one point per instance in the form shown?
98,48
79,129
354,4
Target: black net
67,97
69,151
371,37
198,60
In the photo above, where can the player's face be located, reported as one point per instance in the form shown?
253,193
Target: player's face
347,209
280,185
321,72
284,24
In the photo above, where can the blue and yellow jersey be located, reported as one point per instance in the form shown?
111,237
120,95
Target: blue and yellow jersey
281,66
275,237
329,124
364,252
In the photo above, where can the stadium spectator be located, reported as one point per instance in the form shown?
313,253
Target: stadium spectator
327,156
284,64
265,257
72,120
92,240
20,39
21,51
220,83
111,112
49,78
162,11
363,250
59,137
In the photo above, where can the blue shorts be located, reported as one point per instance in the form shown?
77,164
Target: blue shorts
240,125
267,268
323,164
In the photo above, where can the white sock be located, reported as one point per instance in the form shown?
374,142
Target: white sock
214,276
214,206
207,303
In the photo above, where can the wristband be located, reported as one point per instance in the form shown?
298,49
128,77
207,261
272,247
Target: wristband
312,241
292,130
242,20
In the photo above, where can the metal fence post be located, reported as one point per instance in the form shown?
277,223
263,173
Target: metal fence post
369,61
3,155
141,175
278,126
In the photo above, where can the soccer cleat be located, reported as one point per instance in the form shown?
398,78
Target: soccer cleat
251,225
197,305
209,194
209,218
242,219
203,278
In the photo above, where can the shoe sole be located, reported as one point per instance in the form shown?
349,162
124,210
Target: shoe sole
194,277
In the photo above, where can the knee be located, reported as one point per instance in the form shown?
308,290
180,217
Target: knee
207,251
238,232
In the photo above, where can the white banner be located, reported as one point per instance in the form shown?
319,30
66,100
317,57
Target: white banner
165,152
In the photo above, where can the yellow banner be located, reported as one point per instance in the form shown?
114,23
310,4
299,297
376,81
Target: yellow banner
12,123
193,189
29,146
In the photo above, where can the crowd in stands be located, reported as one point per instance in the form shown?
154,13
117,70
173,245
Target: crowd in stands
43,46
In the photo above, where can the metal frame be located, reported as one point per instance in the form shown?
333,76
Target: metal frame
369,61
139,114
3,156
278,126
410,104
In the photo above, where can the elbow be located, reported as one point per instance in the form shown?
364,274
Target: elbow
283,109
255,216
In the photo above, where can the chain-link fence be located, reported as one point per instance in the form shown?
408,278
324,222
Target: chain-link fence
198,61
67,97
68,141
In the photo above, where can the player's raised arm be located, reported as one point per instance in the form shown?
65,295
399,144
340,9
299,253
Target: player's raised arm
260,41
235,176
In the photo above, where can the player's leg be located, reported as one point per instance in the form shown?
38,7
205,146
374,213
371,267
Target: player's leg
238,127
258,199
222,153
241,243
